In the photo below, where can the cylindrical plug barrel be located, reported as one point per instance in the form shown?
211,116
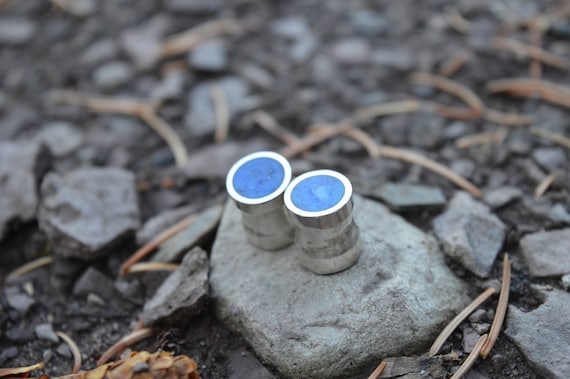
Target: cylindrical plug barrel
256,184
319,206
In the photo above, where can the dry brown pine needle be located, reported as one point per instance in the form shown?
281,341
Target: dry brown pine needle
523,87
446,332
501,308
533,52
155,243
544,185
378,371
123,343
18,371
476,108
155,366
471,358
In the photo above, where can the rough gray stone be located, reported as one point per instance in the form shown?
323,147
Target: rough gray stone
297,30
395,298
61,137
143,43
499,197
45,332
397,59
112,75
197,7
469,233
165,219
21,165
86,211
95,282
182,294
99,51
174,249
547,252
427,130
410,196
16,31
470,337
201,118
351,51
209,56
171,86
214,161
542,335
8,353
19,301
550,158
369,23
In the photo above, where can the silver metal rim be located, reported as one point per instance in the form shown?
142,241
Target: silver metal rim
260,154
303,213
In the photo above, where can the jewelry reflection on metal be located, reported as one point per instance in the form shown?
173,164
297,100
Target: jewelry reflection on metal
319,205
256,184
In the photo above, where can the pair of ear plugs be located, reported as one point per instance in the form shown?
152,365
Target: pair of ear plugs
313,210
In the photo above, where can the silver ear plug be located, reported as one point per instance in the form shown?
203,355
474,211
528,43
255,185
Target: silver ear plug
319,205
256,183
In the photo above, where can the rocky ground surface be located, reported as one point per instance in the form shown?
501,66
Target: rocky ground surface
85,180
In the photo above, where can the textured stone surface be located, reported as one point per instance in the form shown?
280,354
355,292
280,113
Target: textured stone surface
547,253
16,31
469,233
88,210
498,197
201,117
394,300
21,164
174,249
543,334
410,196
182,294
61,137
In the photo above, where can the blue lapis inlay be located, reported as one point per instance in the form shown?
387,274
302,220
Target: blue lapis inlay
258,178
317,193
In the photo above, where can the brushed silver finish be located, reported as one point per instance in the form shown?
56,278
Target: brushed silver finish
326,241
264,220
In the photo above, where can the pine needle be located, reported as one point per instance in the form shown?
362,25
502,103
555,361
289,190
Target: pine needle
152,266
551,136
446,332
125,342
271,126
28,267
476,108
376,373
534,52
189,39
222,114
501,308
471,358
544,185
155,243
523,87
74,351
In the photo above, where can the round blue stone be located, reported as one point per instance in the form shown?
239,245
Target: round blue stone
258,178
317,193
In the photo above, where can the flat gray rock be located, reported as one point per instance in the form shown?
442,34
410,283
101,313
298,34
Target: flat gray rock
547,252
542,335
410,196
209,56
182,294
501,196
61,137
394,300
470,233
85,212
174,249
21,165
201,117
